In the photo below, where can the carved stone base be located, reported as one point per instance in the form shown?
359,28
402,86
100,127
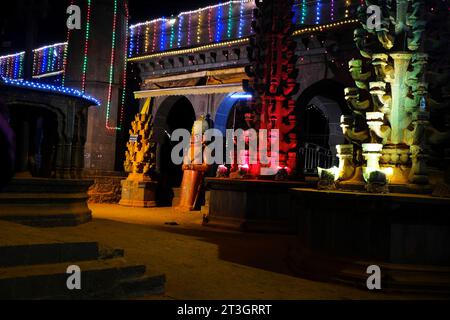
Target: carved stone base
45,202
138,191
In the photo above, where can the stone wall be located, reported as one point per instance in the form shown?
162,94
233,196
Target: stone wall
106,187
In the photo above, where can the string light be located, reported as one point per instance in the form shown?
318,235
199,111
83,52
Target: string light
241,19
209,25
230,20
180,29
15,60
124,79
304,11
50,88
318,9
201,15
155,30
49,60
163,35
147,32
332,10
131,45
111,68
324,27
172,32
219,24
86,46
347,5
189,29
199,27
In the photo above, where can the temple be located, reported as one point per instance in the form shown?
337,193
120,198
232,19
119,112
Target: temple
350,121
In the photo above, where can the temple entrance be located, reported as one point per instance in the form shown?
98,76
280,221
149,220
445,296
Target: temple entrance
174,113
36,140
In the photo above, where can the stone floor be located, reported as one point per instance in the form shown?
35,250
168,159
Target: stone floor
204,263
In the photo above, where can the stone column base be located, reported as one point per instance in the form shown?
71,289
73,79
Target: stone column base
138,191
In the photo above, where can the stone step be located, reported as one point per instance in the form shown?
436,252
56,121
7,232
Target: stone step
99,279
47,253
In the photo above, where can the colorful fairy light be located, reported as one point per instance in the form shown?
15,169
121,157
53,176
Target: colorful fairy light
318,9
147,33
332,10
206,19
11,66
125,63
304,11
347,5
49,60
241,19
219,23
162,42
230,20
180,29
155,30
131,43
189,29
86,46
50,88
199,27
210,35
111,68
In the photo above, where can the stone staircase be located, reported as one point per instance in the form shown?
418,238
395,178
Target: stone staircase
39,271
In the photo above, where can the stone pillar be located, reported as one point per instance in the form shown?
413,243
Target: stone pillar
100,146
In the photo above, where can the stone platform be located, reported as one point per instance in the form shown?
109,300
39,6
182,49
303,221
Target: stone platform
342,233
252,205
45,202
33,265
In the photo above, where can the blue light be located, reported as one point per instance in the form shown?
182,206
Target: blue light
131,48
219,23
180,26
47,87
241,96
163,31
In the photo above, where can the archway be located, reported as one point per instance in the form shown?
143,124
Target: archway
319,109
231,112
174,113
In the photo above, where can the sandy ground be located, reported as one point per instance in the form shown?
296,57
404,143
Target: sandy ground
199,262
204,263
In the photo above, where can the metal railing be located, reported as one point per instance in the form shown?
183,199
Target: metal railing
314,156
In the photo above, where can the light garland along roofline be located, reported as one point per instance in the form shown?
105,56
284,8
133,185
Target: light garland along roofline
239,41
190,12
190,50
12,55
324,27
50,46
49,88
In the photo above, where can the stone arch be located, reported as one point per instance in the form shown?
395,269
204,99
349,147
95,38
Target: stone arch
174,112
223,112
328,97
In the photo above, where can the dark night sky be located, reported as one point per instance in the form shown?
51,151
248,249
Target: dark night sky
52,27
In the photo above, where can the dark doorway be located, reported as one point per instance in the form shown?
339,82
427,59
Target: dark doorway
313,126
313,133
181,116
36,140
